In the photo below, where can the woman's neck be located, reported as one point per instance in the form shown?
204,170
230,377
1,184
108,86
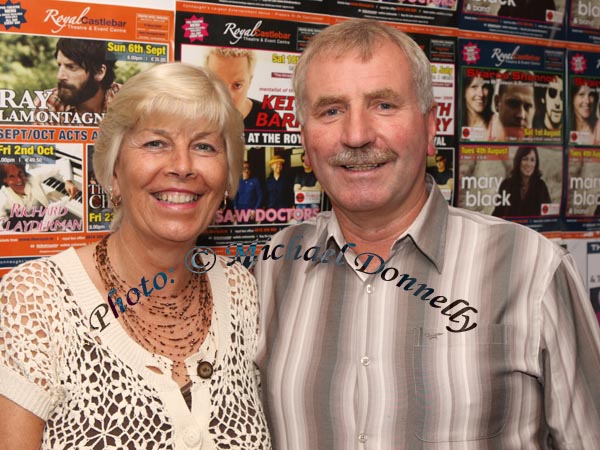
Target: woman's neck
132,259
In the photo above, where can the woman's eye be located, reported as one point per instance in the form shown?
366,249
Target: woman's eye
205,147
154,144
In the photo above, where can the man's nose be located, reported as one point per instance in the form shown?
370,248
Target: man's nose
62,73
358,130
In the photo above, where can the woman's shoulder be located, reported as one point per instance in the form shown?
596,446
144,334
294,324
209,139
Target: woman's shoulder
38,281
34,272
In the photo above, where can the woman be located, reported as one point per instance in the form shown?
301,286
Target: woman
525,188
583,112
171,367
476,103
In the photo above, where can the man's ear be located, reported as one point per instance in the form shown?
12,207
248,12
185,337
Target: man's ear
100,73
431,130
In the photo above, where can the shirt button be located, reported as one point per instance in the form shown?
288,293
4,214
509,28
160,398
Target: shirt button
362,438
365,361
369,288
191,436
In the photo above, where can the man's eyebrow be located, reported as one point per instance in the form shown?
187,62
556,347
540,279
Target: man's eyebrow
379,94
384,94
328,100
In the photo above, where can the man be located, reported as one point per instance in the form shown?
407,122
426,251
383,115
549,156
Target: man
85,80
440,173
235,67
249,194
514,105
552,101
307,189
279,192
396,321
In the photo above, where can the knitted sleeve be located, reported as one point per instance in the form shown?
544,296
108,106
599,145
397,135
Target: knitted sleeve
30,336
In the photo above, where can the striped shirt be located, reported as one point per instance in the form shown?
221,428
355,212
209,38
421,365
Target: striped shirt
352,360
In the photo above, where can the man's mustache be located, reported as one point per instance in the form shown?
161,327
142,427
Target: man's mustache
65,85
362,156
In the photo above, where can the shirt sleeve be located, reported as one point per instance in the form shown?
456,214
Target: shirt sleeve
570,358
29,329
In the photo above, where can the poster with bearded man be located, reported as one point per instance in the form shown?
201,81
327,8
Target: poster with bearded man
66,81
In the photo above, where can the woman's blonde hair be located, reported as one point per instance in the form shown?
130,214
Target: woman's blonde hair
180,91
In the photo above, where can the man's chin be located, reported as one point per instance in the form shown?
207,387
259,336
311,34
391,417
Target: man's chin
65,96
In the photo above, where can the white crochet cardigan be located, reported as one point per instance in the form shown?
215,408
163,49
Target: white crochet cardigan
95,389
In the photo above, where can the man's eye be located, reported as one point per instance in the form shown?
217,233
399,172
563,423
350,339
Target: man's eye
386,106
331,112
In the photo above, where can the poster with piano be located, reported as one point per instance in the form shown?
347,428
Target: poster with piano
255,55
62,65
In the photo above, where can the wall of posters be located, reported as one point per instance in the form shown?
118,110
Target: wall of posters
255,55
512,94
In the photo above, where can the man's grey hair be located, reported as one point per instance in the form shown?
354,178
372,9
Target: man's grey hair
363,36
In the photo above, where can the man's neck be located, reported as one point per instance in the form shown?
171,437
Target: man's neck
376,232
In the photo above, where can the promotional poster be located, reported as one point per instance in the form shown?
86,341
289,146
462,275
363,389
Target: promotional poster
518,183
585,248
438,13
584,88
583,189
537,19
255,58
442,55
314,6
49,199
511,93
584,22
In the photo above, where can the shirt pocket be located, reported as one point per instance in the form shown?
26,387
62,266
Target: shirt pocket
461,383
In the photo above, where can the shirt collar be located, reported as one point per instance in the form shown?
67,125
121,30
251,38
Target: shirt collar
427,232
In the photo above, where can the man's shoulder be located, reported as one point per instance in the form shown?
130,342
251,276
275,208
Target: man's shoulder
484,226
